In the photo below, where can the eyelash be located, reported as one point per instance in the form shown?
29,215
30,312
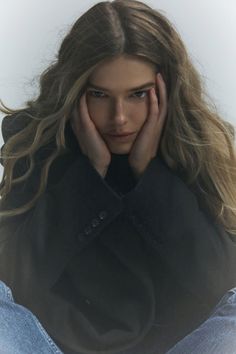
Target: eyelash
140,98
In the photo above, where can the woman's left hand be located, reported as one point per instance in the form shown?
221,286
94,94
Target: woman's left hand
147,142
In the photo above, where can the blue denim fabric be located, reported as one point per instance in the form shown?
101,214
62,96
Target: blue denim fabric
22,333
217,335
20,330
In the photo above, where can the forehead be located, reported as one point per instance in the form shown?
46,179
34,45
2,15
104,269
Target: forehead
123,73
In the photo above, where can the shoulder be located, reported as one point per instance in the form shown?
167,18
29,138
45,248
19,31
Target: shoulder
13,123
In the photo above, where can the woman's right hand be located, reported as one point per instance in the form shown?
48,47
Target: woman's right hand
89,139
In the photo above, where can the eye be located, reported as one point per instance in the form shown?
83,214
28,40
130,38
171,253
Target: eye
94,94
99,94
138,92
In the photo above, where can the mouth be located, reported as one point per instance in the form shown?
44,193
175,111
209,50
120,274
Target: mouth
125,136
121,135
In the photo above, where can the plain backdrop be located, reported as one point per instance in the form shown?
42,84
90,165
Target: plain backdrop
31,33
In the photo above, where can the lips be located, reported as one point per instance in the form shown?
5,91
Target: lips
121,134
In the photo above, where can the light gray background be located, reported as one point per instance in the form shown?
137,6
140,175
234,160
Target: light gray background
31,33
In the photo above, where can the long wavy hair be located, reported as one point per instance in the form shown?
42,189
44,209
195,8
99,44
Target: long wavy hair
196,142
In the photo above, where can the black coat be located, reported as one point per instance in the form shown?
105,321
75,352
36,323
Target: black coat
113,265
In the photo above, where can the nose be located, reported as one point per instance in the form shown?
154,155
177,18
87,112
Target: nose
119,114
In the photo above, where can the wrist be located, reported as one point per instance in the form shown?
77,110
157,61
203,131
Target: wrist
137,175
101,170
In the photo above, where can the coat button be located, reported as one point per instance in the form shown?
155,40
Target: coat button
87,301
95,222
81,237
155,243
88,230
133,218
102,214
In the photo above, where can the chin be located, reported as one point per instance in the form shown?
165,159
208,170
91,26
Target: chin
120,152
121,149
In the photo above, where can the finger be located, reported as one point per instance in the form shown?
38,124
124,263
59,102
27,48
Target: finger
163,96
150,123
154,104
74,119
83,109
85,123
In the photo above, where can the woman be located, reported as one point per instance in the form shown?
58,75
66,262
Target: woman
120,244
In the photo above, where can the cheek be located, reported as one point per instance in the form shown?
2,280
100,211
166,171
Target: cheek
140,111
139,115
97,112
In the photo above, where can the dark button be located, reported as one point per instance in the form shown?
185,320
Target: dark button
136,221
95,222
87,301
81,237
139,224
133,218
102,214
155,243
88,230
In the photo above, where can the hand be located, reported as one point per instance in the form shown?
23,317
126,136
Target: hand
147,142
89,139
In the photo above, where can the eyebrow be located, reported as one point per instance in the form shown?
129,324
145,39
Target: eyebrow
147,84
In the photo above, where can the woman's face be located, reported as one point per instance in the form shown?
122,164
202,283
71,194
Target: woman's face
117,101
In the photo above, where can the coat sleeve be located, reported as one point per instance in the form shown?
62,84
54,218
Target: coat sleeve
11,125
73,210
68,216
199,252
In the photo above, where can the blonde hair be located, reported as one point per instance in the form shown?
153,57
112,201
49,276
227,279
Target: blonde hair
196,143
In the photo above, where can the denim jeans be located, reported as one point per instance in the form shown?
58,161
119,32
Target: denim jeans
217,335
22,333
20,330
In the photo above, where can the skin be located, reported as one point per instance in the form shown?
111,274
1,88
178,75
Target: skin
116,109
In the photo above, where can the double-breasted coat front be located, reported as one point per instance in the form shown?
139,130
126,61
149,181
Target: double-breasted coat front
113,265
